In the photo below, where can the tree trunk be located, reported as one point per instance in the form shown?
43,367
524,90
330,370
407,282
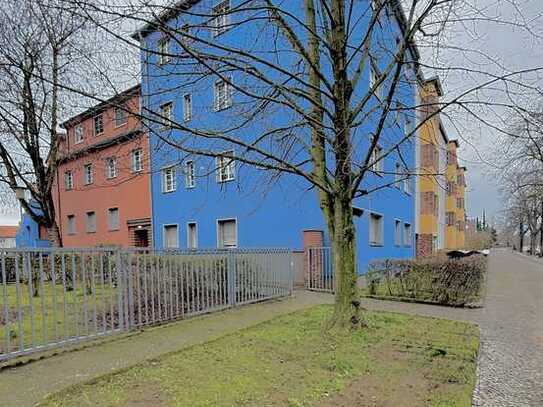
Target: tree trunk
343,236
53,235
521,237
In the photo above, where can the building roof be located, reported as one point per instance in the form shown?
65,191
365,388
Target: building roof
175,9
112,101
8,231
436,82
455,141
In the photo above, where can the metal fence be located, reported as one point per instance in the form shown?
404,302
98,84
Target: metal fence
319,269
50,298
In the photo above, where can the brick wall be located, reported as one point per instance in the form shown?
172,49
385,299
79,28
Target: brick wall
424,245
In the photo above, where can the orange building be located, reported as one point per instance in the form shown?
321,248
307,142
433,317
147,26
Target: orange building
102,184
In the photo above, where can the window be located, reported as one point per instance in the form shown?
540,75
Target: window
376,230
190,181
187,107
397,233
87,170
113,218
166,115
163,51
374,78
221,18
71,224
451,218
223,95
227,234
137,160
91,222
78,133
120,117
407,235
171,237
398,176
169,182
226,167
407,183
376,160
98,125
111,167
459,203
68,180
192,235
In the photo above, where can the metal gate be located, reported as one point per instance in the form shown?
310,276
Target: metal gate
319,269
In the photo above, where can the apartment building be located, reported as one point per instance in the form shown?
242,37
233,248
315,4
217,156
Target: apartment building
102,193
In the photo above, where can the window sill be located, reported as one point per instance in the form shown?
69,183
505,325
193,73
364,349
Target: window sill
91,232
225,181
376,244
120,125
223,108
169,192
192,187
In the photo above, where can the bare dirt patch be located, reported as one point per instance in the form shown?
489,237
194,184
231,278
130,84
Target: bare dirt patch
146,394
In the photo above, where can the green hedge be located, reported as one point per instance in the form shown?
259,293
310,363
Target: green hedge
438,280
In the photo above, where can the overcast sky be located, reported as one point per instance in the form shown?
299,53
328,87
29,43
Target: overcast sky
511,47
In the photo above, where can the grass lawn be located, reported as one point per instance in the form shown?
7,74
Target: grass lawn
54,313
399,360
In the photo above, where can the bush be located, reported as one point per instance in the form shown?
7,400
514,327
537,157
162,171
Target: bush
457,282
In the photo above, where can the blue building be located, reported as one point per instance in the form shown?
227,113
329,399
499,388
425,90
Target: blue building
201,201
30,234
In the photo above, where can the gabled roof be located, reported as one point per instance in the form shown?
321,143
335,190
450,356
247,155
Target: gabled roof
114,100
163,17
8,231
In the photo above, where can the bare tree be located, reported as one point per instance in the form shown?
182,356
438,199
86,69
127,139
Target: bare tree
36,48
307,62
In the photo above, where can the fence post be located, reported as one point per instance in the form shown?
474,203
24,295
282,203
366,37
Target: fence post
232,277
120,289
129,278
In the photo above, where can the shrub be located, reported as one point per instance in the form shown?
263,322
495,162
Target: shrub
457,282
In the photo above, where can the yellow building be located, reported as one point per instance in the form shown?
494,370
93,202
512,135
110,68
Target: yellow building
432,147
441,182
456,198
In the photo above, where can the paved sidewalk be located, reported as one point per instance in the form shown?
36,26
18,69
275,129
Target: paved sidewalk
26,385
511,360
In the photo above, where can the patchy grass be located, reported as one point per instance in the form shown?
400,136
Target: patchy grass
55,313
290,361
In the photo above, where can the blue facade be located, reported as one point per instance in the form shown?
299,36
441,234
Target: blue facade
28,234
269,211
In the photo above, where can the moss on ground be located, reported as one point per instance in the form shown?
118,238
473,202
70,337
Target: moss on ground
291,361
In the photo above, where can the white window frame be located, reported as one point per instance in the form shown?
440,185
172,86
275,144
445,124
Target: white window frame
222,99
111,167
166,115
189,224
397,232
124,117
407,234
166,225
221,18
78,134
407,184
88,227
377,162
88,174
381,218
218,237
190,174
187,107
398,176
163,49
70,220
226,172
137,165
98,118
68,180
169,179
110,226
